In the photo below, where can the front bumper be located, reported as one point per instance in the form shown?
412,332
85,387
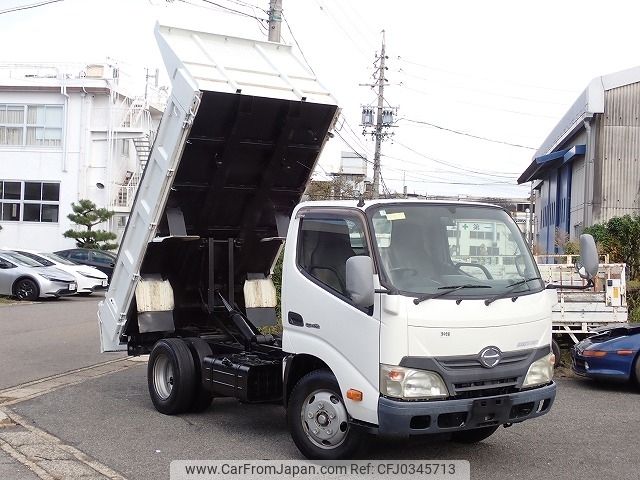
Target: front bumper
60,290
612,367
403,419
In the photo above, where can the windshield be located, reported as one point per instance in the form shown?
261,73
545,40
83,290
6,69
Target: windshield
37,258
425,247
20,259
58,259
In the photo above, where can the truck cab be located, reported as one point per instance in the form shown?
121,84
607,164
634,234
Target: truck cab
424,329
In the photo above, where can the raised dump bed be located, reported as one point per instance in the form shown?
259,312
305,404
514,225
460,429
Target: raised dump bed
239,139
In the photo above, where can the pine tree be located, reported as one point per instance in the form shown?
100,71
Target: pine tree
86,214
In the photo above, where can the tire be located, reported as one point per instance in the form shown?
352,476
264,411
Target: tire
321,437
85,294
636,370
473,436
171,376
555,348
202,397
26,289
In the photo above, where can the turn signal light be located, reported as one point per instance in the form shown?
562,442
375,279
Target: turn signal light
594,353
355,395
625,352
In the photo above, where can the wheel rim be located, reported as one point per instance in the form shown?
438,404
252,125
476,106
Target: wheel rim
25,290
324,419
163,376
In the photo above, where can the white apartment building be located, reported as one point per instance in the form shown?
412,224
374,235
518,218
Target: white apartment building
67,133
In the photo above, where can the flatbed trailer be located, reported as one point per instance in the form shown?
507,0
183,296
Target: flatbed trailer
581,313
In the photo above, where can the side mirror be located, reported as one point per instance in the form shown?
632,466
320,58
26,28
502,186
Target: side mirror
3,264
360,281
589,261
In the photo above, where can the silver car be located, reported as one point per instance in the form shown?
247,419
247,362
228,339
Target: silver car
26,279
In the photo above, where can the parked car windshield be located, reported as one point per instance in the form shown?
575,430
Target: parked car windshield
20,259
429,248
58,259
36,258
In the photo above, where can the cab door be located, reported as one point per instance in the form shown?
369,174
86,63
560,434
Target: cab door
318,315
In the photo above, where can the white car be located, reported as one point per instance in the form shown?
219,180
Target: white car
89,279
27,279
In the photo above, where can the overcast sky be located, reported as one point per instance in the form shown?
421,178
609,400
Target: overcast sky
503,70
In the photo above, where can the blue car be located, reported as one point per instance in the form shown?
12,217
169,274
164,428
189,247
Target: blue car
612,354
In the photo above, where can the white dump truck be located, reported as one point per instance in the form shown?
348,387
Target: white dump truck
386,328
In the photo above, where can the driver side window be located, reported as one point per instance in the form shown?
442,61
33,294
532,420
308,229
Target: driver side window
325,245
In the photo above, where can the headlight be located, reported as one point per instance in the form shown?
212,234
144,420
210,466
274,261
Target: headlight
91,276
401,382
540,371
52,278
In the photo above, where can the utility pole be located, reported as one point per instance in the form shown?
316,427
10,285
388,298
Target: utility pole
275,20
378,130
146,82
383,116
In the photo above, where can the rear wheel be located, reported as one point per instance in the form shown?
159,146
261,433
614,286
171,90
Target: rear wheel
318,418
26,289
473,436
201,396
171,376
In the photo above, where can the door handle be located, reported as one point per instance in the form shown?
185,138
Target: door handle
295,319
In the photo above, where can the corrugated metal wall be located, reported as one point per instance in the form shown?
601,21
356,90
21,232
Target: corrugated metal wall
617,169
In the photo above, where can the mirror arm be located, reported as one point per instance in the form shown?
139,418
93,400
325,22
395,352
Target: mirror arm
386,291
552,286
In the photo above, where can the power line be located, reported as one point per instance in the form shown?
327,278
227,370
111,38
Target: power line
238,12
458,132
478,90
26,7
345,31
442,162
418,64
480,105
297,44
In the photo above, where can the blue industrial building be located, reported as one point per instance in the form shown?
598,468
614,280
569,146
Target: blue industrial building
588,169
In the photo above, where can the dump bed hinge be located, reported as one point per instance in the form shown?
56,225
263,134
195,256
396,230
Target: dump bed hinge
188,121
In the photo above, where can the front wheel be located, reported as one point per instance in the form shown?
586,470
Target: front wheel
473,436
26,289
555,348
637,370
318,418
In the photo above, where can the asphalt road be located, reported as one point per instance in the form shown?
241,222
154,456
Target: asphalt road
591,432
49,337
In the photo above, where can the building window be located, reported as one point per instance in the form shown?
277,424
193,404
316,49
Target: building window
124,147
29,201
31,125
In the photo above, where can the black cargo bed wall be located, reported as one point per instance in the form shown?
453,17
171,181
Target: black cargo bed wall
246,163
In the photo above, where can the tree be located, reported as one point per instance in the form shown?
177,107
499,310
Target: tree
620,238
86,214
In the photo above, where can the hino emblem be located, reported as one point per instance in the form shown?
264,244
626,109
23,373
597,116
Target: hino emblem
490,357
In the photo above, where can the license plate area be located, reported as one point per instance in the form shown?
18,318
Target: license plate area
490,411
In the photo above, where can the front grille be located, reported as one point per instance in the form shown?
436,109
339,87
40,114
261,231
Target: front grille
473,361
485,388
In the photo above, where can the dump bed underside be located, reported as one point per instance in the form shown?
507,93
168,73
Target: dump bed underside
245,165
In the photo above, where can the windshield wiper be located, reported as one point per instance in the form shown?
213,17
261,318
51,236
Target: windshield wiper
449,289
511,288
